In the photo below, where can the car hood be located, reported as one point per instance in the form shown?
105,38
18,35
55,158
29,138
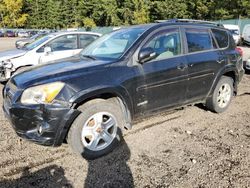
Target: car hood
11,54
55,71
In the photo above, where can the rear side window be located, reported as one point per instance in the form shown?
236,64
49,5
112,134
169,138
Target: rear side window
198,40
221,37
85,40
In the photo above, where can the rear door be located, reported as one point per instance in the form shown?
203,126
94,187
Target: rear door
162,82
204,61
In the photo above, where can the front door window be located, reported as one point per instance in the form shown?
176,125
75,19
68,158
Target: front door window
166,44
66,42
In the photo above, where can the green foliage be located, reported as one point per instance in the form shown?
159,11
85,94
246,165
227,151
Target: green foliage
89,23
11,13
141,11
56,14
168,10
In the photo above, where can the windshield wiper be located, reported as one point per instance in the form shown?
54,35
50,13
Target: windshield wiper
89,57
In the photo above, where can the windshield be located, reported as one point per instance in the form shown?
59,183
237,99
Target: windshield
113,45
38,42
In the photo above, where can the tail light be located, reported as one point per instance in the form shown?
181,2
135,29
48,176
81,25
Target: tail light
239,50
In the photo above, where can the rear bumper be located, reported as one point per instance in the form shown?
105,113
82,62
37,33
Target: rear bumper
42,124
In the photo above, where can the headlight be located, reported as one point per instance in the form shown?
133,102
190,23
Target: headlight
42,94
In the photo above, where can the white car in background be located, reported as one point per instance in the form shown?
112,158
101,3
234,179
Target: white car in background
246,34
51,47
235,30
23,34
248,64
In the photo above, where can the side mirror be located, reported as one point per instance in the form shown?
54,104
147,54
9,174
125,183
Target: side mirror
47,50
146,54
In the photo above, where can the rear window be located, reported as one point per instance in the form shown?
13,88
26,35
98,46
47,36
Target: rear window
221,37
198,40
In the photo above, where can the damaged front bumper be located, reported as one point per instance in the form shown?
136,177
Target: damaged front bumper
5,74
45,124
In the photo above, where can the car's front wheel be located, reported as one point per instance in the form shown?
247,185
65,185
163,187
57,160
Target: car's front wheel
222,95
96,131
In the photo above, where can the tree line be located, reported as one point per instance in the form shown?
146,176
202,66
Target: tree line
57,14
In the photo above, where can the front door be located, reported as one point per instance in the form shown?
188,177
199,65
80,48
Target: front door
162,81
61,47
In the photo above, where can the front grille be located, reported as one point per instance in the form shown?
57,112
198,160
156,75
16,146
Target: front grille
12,86
9,91
6,105
10,94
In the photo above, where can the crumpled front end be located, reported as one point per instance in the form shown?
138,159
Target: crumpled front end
45,124
6,69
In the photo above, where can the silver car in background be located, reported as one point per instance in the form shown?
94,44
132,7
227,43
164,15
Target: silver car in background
23,42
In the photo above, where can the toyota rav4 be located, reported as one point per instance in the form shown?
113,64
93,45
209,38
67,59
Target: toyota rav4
89,99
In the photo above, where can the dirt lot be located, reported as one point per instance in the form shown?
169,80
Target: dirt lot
7,43
191,147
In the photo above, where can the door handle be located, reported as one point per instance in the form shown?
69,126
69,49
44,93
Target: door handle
182,66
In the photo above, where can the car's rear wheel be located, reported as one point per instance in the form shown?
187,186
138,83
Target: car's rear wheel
96,131
222,95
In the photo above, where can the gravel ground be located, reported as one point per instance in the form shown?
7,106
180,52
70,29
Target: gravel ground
189,147
7,43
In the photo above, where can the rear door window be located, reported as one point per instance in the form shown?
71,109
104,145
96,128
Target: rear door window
198,40
221,37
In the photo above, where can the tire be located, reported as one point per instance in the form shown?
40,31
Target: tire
222,95
92,139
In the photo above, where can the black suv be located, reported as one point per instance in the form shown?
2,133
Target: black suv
87,100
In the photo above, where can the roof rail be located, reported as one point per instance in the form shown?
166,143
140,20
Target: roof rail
189,21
